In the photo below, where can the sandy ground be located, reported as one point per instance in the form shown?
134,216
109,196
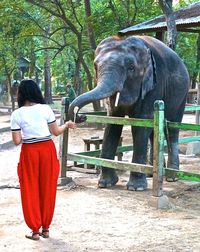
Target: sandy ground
102,220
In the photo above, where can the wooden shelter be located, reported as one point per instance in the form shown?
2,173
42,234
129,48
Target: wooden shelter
187,20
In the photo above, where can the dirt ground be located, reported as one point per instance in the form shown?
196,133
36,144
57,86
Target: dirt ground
89,219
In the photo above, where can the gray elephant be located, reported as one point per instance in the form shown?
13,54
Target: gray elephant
133,73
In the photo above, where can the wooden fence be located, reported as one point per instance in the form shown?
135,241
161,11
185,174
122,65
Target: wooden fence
158,124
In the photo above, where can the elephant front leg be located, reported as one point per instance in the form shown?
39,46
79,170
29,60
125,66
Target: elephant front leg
138,181
108,176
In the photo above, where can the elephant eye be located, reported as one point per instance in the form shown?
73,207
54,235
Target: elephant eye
131,67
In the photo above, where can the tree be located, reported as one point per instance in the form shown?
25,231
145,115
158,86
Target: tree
77,27
90,29
59,10
166,6
47,69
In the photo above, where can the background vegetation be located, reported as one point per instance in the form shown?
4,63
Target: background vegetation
58,38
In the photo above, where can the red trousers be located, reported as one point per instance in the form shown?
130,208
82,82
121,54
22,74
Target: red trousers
38,171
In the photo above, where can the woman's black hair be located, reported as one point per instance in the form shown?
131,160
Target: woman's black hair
28,90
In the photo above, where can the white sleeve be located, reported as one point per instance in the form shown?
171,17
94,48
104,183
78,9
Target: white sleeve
15,125
51,116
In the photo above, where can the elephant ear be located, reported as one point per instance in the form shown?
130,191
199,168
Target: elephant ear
149,78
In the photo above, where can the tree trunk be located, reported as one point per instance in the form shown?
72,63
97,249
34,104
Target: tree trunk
91,36
90,29
11,92
32,58
9,84
166,6
77,79
47,71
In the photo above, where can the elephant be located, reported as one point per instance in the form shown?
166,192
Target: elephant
132,73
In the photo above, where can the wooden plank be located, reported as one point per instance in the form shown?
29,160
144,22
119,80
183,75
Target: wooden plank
84,170
184,175
96,153
188,139
120,165
120,121
184,126
192,108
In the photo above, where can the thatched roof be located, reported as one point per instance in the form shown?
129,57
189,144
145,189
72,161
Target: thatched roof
187,20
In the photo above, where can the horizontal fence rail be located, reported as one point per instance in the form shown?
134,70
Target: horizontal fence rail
192,108
120,121
183,126
184,175
120,165
134,167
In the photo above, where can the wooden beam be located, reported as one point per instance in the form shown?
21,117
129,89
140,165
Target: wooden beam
120,121
120,165
184,175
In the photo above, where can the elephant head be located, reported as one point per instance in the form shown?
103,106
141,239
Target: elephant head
124,70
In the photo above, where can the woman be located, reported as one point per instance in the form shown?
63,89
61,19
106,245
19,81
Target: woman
38,169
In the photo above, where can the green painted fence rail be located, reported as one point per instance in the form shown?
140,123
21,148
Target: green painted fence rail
192,108
120,121
183,175
126,148
188,139
96,153
121,165
183,126
139,122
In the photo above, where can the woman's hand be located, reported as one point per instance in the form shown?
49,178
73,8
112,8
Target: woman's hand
57,130
70,125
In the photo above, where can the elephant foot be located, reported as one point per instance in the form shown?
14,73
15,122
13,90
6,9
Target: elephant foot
171,177
108,180
137,182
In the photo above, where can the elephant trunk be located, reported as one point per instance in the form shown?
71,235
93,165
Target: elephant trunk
103,90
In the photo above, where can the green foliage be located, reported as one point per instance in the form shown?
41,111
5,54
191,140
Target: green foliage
23,27
187,48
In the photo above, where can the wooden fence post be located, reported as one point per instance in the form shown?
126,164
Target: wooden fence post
63,144
197,111
158,200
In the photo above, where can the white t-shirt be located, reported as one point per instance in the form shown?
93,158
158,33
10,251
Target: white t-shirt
33,122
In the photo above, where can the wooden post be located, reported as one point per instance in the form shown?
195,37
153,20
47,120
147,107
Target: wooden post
158,155
197,111
158,200
63,144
